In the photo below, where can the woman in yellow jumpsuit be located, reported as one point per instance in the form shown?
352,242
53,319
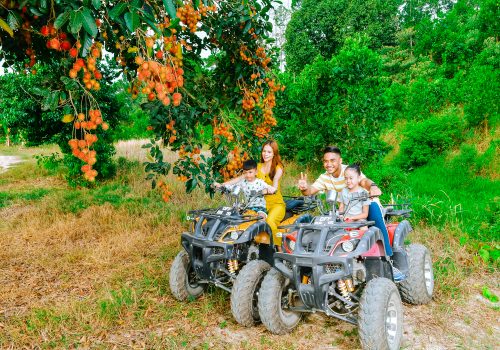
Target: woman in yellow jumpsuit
270,169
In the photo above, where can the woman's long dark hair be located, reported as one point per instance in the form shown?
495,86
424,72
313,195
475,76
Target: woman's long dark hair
276,157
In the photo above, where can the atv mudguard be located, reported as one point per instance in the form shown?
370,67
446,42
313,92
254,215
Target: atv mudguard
400,256
266,251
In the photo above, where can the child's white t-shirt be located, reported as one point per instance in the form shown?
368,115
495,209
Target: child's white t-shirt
250,188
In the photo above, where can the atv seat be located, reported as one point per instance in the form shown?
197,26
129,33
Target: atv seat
297,205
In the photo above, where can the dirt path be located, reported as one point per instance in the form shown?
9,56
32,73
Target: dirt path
7,162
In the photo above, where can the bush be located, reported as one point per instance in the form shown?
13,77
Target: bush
431,137
481,86
391,180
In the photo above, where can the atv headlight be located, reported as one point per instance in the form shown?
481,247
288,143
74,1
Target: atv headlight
236,234
348,246
291,244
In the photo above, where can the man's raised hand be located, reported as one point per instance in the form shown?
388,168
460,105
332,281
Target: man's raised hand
302,184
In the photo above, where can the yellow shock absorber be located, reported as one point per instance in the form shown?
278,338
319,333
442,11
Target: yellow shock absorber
349,285
305,279
232,265
341,285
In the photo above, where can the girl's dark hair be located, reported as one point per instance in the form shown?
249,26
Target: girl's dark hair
354,167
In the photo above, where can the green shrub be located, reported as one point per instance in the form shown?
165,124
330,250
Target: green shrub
50,162
391,180
431,137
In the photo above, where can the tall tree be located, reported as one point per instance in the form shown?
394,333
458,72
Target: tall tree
321,27
157,45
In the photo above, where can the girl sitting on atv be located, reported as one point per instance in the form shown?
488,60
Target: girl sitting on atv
357,209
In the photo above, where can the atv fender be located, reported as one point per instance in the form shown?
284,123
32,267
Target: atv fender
400,256
304,218
371,244
252,231
261,229
402,230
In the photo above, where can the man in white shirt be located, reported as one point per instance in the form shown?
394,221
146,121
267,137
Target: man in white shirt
333,178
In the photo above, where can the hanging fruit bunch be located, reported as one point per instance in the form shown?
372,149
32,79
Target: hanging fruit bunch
223,104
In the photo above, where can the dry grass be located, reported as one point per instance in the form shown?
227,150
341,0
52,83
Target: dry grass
97,277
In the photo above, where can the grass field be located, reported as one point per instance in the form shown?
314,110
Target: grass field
88,268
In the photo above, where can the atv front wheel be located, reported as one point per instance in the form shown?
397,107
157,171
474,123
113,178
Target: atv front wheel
380,316
245,292
273,296
182,278
418,287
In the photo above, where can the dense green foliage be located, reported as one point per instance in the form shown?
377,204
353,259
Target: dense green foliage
340,99
34,117
432,93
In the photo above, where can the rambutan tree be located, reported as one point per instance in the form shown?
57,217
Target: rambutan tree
161,47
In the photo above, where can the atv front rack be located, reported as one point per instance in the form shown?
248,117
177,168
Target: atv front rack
232,219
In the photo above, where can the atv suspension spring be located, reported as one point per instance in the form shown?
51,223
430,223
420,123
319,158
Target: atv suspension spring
232,265
341,285
350,285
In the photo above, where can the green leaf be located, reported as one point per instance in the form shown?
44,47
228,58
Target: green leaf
51,101
89,22
488,294
69,83
86,43
96,4
6,27
14,20
116,11
132,20
247,26
61,20
152,25
36,12
191,184
195,4
484,254
75,22
170,7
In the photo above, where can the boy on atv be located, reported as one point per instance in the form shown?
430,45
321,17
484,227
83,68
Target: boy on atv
251,186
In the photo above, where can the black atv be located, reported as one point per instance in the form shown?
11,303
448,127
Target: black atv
232,248
344,270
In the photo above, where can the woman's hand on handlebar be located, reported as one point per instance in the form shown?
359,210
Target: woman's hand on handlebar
270,190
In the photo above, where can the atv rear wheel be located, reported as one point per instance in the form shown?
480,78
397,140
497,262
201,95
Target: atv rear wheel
183,282
418,287
380,316
273,295
245,292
